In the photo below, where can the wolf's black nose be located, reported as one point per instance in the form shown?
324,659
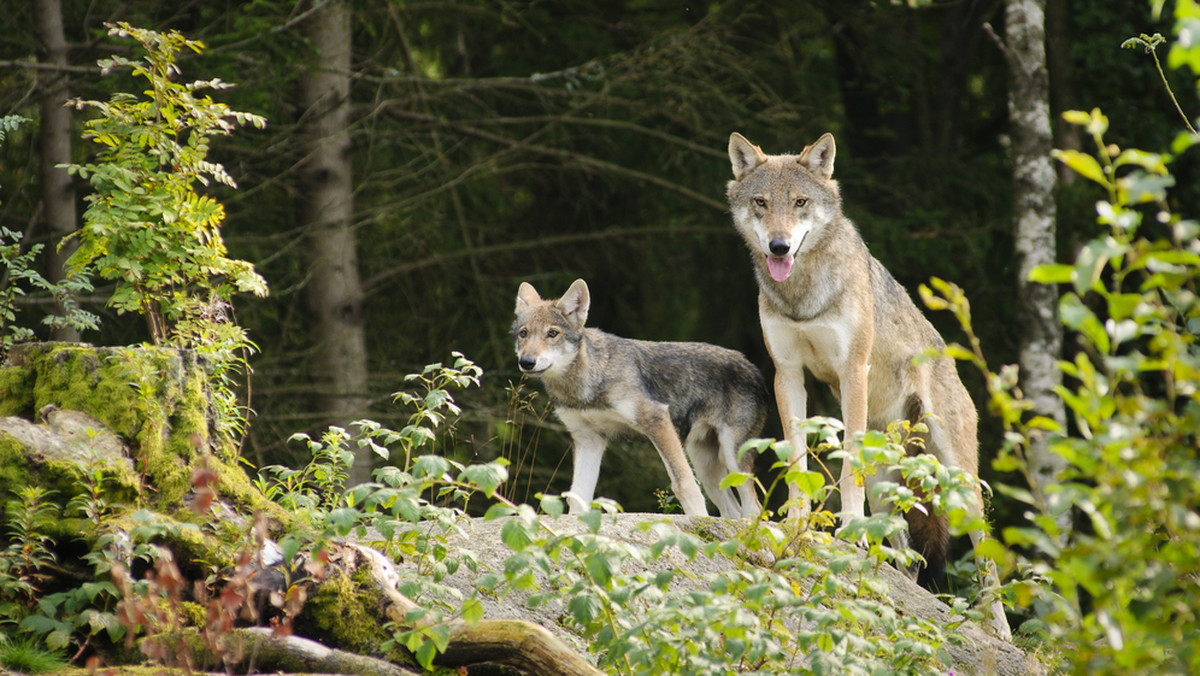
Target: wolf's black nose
527,363
779,247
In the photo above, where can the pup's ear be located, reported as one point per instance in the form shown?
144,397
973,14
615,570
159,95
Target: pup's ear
527,295
744,155
818,157
575,303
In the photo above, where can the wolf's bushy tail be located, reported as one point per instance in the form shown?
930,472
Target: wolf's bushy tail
930,534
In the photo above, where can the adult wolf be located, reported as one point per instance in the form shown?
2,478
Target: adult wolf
828,306
601,385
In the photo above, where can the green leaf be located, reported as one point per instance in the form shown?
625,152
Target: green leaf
1083,164
734,479
425,654
472,611
811,484
498,510
342,520
515,535
1077,117
591,519
552,505
1051,273
430,466
584,609
487,477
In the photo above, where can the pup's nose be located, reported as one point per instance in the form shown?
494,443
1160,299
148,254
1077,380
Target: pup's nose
779,246
527,363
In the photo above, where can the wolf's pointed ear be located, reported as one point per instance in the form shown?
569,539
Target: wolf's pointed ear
818,157
575,303
527,295
744,155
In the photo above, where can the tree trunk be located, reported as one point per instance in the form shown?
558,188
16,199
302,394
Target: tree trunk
1062,84
333,294
1034,181
58,192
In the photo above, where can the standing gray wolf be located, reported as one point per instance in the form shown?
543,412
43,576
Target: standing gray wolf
602,386
828,306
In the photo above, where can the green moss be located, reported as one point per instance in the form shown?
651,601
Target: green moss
74,377
341,612
344,613
194,614
156,399
64,479
16,390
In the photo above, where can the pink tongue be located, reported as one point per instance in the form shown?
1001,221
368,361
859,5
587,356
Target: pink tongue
779,268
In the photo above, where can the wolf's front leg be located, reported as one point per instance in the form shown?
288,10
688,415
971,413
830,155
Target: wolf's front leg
854,416
792,398
589,450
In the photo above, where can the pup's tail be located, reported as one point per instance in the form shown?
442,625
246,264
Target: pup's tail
930,534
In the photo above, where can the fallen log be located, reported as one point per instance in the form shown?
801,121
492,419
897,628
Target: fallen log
297,655
522,645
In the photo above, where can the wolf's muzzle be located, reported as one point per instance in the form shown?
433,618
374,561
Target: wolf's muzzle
779,246
527,364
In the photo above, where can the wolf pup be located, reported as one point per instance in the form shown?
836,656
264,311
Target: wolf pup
704,398
828,306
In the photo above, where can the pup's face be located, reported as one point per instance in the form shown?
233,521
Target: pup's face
547,332
779,201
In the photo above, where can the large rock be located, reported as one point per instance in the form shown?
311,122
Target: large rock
143,413
980,653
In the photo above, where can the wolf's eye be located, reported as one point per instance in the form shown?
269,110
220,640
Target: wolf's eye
760,203
523,333
800,201
552,333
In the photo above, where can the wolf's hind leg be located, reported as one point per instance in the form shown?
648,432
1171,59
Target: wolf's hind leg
993,616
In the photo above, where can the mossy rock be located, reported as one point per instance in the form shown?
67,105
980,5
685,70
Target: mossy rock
344,610
156,400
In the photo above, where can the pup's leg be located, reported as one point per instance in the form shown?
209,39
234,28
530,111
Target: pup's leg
705,454
730,441
657,426
589,449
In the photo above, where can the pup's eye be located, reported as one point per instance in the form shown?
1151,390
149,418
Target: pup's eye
760,203
523,333
800,201
552,333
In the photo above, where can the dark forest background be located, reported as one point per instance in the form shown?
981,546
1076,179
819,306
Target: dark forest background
500,142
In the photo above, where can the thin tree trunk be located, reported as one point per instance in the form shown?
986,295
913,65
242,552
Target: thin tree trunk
333,294
1062,86
1034,182
58,192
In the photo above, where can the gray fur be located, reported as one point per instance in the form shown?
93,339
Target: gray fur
694,396
831,309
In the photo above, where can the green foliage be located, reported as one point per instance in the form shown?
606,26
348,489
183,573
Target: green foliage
10,123
1113,588
824,611
436,406
23,566
146,227
19,272
28,657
